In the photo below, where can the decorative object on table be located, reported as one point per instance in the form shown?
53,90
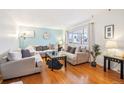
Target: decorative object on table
46,35
96,52
109,31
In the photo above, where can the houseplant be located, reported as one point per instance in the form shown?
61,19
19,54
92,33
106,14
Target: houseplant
95,52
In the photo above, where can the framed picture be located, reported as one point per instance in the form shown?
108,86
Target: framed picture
109,31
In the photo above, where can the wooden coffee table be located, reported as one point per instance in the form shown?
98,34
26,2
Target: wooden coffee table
58,57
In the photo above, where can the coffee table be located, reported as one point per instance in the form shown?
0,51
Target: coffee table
58,56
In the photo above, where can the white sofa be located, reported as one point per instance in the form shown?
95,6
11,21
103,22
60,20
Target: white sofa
22,67
77,57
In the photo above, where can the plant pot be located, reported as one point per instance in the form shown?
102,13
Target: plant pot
93,64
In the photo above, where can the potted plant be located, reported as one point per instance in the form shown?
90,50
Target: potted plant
95,52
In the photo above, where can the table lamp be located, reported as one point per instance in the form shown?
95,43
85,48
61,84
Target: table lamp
111,46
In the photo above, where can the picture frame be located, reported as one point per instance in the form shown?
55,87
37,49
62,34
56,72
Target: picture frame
109,31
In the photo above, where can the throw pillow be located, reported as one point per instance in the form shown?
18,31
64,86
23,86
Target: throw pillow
44,48
39,48
25,53
13,56
73,50
68,48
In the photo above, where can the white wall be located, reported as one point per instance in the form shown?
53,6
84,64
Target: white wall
115,17
8,32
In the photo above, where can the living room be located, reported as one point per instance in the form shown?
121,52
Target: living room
49,32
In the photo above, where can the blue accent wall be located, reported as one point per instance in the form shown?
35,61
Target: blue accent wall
54,36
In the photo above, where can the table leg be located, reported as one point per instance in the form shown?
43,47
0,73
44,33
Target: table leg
65,61
121,73
104,64
109,65
46,57
52,65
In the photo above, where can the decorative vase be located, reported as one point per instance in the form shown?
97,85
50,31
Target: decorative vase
93,64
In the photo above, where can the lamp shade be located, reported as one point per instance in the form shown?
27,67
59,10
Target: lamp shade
111,44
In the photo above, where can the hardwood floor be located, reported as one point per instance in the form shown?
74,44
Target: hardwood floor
80,74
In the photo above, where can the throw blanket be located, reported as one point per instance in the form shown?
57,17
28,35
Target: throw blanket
37,59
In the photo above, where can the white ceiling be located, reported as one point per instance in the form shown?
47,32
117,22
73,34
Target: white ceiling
50,17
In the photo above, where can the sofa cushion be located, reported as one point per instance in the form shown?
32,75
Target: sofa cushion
25,53
13,56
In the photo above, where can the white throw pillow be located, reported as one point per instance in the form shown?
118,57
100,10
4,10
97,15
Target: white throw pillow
13,56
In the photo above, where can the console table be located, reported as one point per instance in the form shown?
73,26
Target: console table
114,59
